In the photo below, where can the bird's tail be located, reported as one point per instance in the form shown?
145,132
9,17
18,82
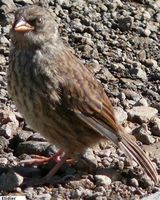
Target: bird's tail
122,140
133,151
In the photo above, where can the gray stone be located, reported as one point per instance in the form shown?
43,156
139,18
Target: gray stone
3,161
22,2
8,130
144,135
7,116
22,136
155,129
102,180
43,196
151,63
141,114
141,102
10,181
132,95
37,137
125,23
120,114
139,73
3,143
2,60
90,156
134,182
146,15
32,147
155,196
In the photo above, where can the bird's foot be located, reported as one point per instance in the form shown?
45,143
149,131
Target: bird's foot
38,160
48,178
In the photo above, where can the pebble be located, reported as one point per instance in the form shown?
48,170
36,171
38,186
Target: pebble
3,161
102,180
32,147
141,114
134,182
155,129
10,181
7,116
125,23
142,102
3,143
151,63
43,197
143,134
155,196
139,73
120,114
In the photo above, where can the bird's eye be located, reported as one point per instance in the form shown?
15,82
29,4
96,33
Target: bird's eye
32,21
39,20
35,21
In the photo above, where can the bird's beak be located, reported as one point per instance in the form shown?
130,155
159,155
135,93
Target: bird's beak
22,26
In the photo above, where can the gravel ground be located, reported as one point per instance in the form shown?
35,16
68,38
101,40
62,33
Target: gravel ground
120,42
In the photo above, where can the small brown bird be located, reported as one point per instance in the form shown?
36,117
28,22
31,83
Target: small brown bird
58,96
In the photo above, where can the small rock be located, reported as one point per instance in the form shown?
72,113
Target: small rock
3,143
43,196
144,32
32,147
142,55
120,114
10,181
4,41
132,95
141,114
21,136
102,180
125,23
81,192
139,73
105,75
76,24
22,2
155,196
7,116
134,182
117,66
50,150
144,135
8,130
151,63
146,15
37,137
141,102
95,66
155,129
89,155
2,60
3,161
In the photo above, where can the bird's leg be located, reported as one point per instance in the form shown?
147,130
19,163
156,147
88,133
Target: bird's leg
38,160
45,179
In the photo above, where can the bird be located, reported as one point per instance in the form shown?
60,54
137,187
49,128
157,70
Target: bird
59,96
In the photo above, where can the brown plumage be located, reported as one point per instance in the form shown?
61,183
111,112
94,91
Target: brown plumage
57,95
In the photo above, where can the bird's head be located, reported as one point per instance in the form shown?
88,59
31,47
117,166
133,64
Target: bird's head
33,26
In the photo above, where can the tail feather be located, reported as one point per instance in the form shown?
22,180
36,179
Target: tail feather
123,140
133,151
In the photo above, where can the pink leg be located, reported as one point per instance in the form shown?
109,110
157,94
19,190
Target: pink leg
38,160
44,180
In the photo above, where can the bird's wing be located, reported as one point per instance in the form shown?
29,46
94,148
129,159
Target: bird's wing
86,98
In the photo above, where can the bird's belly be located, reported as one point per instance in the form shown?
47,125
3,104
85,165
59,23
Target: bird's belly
67,133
